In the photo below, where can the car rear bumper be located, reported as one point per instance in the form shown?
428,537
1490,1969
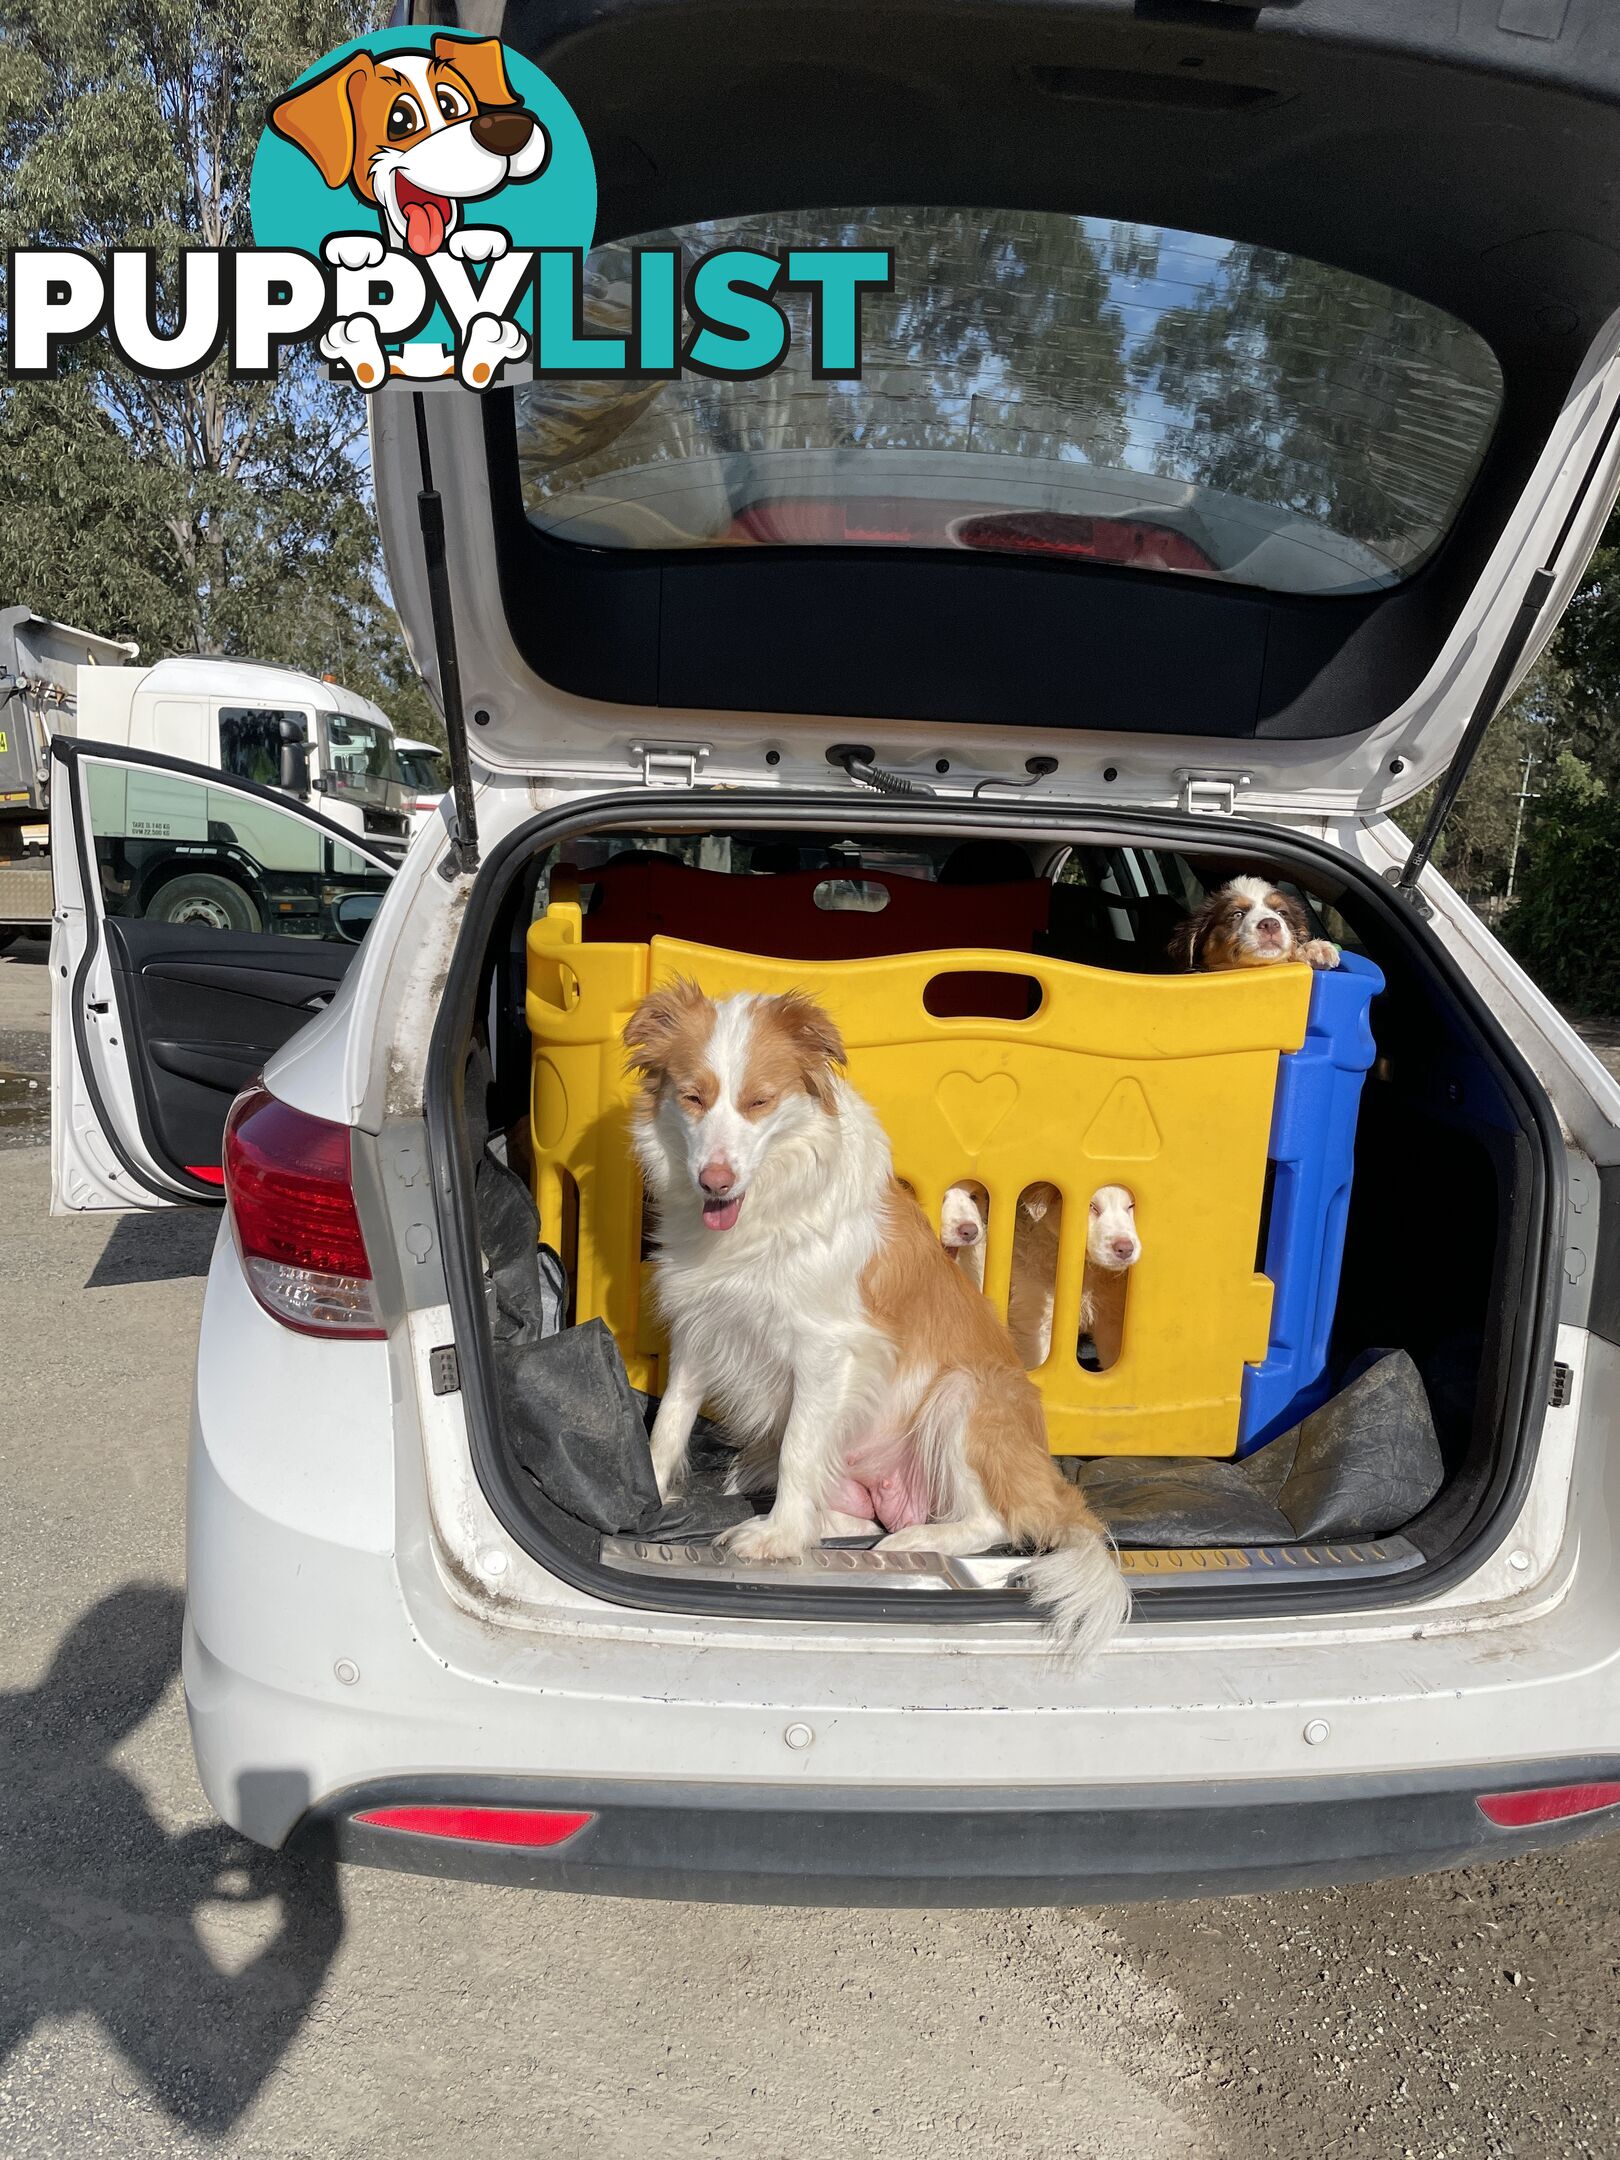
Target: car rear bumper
796,1846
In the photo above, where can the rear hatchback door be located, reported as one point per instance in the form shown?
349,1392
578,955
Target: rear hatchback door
1245,369
200,921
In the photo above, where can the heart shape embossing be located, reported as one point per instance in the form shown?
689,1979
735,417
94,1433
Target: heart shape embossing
974,1108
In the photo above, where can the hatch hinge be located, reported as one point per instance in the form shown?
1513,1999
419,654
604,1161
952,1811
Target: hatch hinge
1211,794
665,764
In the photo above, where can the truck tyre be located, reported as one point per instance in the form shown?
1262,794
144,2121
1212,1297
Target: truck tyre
212,903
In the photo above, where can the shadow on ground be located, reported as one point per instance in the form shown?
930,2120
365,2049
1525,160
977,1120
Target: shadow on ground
159,1247
99,1905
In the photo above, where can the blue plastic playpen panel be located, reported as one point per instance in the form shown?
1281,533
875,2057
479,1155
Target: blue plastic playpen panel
1313,1141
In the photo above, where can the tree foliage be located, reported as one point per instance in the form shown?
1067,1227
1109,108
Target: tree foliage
200,514
1565,926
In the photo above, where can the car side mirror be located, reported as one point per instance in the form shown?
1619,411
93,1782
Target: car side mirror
353,915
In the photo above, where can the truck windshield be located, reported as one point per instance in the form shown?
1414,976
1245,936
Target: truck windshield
424,770
358,755
1042,385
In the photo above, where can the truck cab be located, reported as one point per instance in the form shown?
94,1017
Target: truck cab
303,735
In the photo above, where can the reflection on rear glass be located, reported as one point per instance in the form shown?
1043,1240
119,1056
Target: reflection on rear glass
1043,385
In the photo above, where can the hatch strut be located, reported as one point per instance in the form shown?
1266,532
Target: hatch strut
1494,694
463,854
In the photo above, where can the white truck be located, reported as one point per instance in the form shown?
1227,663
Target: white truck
302,735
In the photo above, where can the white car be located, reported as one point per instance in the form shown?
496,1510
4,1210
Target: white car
1149,556
426,773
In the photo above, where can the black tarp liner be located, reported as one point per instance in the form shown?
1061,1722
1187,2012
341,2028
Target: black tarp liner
1362,1466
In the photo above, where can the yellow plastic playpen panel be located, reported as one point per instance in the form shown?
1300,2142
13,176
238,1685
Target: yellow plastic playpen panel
1163,1084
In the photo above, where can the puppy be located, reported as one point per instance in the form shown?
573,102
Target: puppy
810,1303
1112,1250
961,1231
1248,923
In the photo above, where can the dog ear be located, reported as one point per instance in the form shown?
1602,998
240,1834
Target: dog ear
481,65
1038,1200
1299,923
319,119
814,1034
658,1021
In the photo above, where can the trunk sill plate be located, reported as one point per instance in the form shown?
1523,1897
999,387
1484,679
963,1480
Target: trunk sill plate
833,1566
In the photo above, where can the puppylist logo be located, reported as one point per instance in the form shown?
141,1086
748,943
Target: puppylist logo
422,203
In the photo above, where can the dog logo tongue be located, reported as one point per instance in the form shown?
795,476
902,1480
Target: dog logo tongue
426,217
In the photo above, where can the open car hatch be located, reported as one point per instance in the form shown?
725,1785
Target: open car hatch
1239,422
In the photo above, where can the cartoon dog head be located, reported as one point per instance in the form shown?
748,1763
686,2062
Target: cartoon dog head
417,134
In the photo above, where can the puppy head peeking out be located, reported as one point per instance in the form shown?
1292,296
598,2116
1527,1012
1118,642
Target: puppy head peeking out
723,1086
1248,923
1111,1239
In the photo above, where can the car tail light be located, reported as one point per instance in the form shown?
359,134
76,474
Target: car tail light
291,1198
482,1825
1545,1803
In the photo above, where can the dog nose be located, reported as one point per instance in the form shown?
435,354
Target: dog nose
1124,1249
717,1177
1268,926
504,133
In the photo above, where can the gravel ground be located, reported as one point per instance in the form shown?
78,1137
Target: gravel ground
164,1991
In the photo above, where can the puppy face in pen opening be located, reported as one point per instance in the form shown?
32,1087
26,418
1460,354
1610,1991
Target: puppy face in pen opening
1248,923
1111,1239
723,1087
961,1220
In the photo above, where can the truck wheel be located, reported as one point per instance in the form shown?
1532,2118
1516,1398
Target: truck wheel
212,903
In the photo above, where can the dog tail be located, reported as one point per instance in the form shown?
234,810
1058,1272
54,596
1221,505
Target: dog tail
1074,1580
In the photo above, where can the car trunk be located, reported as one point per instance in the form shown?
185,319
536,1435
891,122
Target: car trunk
1231,438
1448,1248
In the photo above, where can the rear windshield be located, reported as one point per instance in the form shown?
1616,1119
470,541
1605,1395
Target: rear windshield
1042,385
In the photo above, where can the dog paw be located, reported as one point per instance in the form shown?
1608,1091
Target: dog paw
917,1537
478,243
1321,954
760,1539
354,251
490,343
355,345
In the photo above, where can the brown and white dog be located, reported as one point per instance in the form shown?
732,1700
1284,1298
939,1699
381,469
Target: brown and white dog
1248,923
414,136
811,1305
1112,1250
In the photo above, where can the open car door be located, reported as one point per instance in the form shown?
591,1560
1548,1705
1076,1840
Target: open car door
200,921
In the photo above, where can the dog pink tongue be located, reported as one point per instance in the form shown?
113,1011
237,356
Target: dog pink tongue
721,1214
424,227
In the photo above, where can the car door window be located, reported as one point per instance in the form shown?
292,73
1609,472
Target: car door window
173,848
